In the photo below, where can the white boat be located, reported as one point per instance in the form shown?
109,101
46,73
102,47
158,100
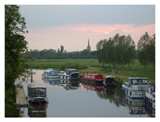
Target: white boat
135,87
50,73
37,93
150,96
63,76
73,73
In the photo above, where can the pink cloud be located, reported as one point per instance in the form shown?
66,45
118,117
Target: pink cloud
53,37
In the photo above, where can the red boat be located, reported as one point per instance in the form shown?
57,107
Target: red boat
94,79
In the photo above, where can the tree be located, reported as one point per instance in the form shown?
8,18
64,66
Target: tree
15,45
100,51
129,50
62,48
143,49
119,49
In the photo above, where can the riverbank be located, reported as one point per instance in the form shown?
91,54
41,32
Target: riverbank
92,65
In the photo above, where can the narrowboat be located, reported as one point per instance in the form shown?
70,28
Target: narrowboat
150,96
50,73
109,81
73,73
37,93
135,87
63,76
93,79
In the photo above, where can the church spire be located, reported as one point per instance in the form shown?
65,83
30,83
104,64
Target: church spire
88,47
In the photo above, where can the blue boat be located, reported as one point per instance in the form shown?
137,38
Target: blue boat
150,96
50,73
135,87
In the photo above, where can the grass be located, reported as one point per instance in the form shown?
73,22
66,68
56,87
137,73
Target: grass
92,65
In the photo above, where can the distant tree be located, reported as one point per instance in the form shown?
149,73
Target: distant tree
119,49
129,50
144,49
100,51
62,48
151,54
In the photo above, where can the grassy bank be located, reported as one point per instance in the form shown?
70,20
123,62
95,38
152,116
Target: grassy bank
92,65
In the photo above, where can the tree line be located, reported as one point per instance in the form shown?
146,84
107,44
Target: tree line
53,54
121,50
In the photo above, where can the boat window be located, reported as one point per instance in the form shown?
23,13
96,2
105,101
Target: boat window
145,81
36,92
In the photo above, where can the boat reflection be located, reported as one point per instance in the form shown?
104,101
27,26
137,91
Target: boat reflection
136,106
69,84
92,86
109,90
51,81
37,110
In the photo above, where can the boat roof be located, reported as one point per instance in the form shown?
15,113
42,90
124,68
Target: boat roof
137,78
36,85
70,69
48,70
109,76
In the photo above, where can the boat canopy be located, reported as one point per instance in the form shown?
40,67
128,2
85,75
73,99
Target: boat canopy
36,85
109,77
138,81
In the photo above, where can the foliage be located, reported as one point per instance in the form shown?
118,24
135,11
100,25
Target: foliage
52,54
15,45
146,50
117,50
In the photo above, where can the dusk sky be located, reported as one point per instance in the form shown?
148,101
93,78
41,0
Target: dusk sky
51,26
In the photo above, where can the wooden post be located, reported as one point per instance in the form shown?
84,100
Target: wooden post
31,78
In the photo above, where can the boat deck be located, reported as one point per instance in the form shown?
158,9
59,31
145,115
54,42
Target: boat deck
21,98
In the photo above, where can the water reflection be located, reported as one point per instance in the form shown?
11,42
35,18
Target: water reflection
66,83
51,81
72,85
136,106
62,102
37,110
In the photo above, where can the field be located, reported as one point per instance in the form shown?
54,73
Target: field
92,65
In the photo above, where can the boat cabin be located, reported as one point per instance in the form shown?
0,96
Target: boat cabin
95,77
36,90
109,80
37,93
138,81
73,73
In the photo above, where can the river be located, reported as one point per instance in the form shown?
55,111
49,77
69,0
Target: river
83,100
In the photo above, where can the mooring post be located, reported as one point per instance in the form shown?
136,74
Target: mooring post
31,78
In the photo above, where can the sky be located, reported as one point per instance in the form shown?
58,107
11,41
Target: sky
51,26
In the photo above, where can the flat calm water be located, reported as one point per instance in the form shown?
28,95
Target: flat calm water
83,100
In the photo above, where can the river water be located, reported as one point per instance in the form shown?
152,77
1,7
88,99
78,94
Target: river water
83,100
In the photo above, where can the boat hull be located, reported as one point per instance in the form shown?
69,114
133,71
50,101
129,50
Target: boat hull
134,93
37,99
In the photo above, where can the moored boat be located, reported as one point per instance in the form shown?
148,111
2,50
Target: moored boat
150,96
109,81
72,73
37,93
50,73
93,79
135,87
63,76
